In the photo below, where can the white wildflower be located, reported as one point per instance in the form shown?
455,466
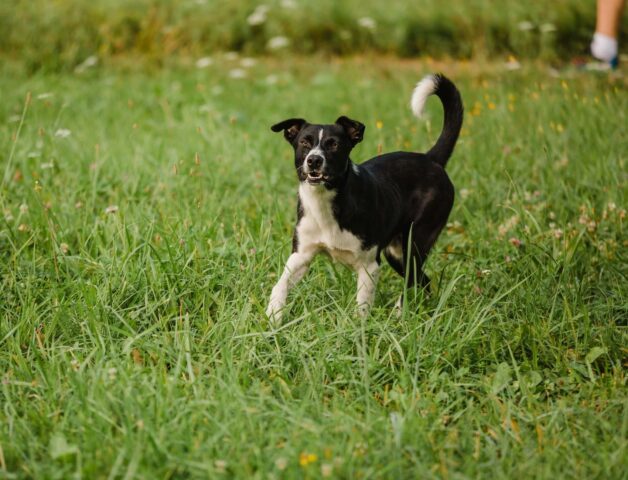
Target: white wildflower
367,22
525,26
277,43
204,62
258,16
111,209
512,64
89,62
281,463
326,470
508,225
237,73
63,133
288,4
248,62
272,79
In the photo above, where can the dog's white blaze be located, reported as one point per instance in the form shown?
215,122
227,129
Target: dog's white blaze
423,89
317,150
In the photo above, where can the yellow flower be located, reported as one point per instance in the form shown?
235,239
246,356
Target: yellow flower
306,458
379,124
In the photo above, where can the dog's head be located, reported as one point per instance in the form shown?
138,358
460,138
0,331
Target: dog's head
321,152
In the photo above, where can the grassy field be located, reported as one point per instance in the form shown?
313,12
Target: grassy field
146,215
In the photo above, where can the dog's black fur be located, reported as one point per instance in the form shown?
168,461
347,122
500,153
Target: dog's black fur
399,199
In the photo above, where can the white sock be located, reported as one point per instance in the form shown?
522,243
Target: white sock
604,47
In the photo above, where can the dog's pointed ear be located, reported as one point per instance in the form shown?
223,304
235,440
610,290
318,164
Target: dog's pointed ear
290,127
354,129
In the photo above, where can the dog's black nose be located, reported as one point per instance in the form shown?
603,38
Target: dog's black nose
314,162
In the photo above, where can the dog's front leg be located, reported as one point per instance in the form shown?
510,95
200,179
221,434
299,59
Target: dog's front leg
367,282
295,268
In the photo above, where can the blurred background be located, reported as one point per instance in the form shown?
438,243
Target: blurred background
61,35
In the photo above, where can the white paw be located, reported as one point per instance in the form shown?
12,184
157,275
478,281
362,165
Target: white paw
363,310
274,312
398,308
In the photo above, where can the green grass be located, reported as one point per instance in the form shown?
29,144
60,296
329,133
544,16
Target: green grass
133,343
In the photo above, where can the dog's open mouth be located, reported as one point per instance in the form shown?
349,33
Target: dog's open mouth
316,177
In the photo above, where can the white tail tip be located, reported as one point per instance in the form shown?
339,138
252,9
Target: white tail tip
423,89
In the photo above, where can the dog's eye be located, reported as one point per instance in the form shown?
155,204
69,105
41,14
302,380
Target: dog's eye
305,144
332,144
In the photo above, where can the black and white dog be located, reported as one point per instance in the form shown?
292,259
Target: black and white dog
396,203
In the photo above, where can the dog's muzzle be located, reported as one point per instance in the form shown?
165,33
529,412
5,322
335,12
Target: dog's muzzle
314,169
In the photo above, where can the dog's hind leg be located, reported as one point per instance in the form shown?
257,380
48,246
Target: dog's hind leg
422,238
296,266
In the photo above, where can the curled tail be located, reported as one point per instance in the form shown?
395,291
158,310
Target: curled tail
452,103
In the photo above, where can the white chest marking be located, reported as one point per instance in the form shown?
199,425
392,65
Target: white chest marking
318,230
